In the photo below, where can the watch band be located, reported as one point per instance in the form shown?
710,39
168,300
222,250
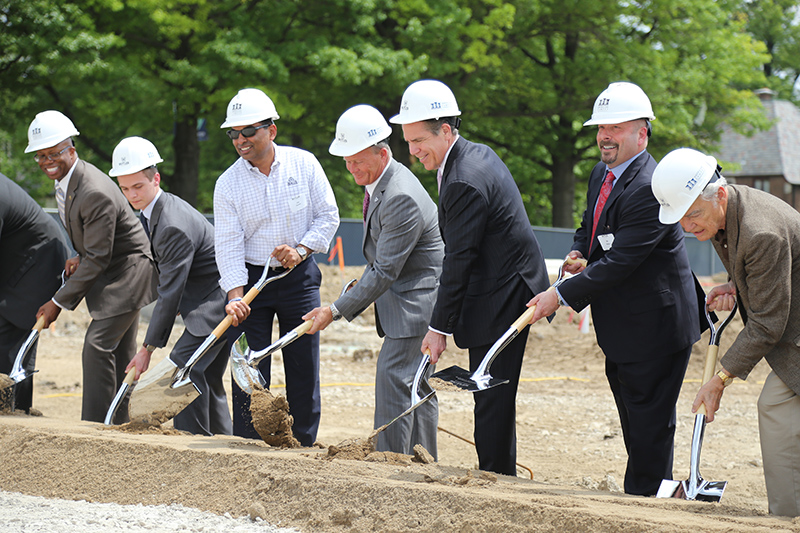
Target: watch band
335,314
726,379
302,252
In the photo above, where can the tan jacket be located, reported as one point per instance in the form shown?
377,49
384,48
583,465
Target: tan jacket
116,274
763,235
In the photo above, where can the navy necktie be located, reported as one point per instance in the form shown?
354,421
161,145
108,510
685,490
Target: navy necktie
144,224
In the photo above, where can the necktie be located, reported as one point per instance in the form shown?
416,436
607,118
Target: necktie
61,201
144,224
605,190
439,179
366,204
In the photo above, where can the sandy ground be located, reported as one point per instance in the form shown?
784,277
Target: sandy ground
568,436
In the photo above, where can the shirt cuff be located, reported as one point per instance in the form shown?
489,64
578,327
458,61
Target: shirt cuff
440,332
58,304
561,300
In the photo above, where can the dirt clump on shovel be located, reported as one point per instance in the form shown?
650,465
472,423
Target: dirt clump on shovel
271,419
444,386
145,427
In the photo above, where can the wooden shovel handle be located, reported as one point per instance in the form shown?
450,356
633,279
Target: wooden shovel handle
130,376
39,326
523,320
708,372
303,328
228,320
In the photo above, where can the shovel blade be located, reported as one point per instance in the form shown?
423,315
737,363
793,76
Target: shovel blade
463,379
243,374
706,491
155,401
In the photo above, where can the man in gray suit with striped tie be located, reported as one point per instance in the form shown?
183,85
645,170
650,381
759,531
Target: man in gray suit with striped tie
404,250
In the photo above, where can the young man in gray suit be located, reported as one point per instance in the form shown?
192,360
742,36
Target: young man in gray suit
188,283
757,237
492,264
404,251
33,253
113,270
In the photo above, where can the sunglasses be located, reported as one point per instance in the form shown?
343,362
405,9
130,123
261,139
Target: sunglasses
249,131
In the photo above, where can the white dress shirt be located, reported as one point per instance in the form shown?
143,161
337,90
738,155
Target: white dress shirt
254,213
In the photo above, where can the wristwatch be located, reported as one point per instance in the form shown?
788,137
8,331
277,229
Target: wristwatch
149,347
726,379
302,252
335,314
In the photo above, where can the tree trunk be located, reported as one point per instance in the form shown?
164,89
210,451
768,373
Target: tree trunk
184,182
563,193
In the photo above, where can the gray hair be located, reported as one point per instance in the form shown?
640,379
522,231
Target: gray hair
711,191
378,146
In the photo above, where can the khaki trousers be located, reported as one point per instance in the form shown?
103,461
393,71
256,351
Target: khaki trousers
779,428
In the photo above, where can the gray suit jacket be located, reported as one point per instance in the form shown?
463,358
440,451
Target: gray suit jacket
404,249
33,250
188,279
116,274
763,260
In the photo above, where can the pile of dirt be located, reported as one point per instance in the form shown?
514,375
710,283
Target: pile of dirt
271,418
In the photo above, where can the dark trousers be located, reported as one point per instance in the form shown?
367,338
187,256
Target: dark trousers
208,414
11,339
496,409
289,298
645,393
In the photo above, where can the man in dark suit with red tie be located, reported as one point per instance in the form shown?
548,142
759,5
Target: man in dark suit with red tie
639,283
492,265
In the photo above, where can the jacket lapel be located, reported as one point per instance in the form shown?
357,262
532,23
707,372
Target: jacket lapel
72,192
375,200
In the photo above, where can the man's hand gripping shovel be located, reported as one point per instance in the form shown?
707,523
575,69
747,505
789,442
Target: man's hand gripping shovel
244,361
166,390
696,488
481,379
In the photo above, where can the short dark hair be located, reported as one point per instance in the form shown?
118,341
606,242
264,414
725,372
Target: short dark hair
434,125
150,172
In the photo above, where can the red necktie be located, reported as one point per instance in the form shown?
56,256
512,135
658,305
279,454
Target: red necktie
605,190
366,204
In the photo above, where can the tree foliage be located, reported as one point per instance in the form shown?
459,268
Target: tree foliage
525,72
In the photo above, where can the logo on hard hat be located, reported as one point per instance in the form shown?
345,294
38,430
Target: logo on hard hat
236,107
603,103
404,105
123,161
693,181
342,138
372,133
36,131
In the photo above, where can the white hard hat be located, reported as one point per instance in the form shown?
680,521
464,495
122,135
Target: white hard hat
359,128
133,154
425,100
48,129
679,179
620,102
248,107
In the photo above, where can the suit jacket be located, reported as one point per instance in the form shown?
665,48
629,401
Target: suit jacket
642,291
188,280
490,248
763,260
33,250
116,273
404,251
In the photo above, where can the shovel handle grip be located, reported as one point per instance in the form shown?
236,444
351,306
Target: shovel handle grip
523,320
227,321
303,328
39,326
130,376
708,372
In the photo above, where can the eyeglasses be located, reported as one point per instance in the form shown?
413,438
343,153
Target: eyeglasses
249,131
52,157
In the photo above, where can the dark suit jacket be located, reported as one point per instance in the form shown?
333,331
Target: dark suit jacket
642,290
490,248
188,279
404,249
33,251
763,255
116,273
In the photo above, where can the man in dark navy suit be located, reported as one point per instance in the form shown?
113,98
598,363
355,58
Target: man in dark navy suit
492,265
638,281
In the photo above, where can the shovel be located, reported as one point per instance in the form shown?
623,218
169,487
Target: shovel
166,390
123,390
244,361
696,488
416,390
481,379
18,373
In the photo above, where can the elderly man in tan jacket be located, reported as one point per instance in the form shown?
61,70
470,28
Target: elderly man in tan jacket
757,237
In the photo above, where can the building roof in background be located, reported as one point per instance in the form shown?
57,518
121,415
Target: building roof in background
775,152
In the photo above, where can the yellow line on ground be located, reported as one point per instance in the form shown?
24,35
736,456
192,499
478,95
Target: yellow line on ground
62,395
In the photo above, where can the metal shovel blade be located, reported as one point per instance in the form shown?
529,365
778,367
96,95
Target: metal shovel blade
127,383
18,372
154,400
245,375
416,392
